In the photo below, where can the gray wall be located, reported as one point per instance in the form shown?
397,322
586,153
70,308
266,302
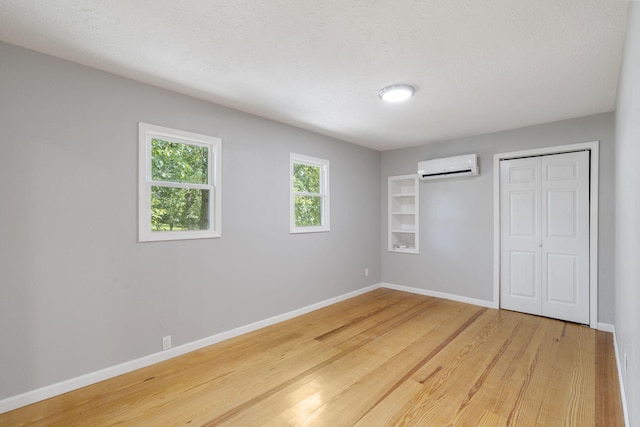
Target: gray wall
78,293
456,215
628,215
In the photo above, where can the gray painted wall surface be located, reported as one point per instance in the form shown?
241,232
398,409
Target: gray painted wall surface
78,293
456,215
628,215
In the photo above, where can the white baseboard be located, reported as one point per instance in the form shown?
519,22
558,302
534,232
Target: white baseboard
52,390
606,327
623,396
444,295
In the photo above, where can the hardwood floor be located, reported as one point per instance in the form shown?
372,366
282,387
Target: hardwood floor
381,359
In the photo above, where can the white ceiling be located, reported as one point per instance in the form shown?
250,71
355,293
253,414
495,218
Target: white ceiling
479,66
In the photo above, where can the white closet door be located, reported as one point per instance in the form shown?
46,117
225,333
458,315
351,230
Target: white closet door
520,264
545,235
565,236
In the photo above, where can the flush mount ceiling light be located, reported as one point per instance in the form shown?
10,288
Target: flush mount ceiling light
396,93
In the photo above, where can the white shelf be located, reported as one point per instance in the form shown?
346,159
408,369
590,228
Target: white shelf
403,214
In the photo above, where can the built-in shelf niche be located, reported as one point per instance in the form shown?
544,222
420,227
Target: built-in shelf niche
403,214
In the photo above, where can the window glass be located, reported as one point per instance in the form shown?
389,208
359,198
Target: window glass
306,178
173,161
179,209
308,211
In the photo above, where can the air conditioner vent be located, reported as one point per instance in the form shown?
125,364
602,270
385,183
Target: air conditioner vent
449,167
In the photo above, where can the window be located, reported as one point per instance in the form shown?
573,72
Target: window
309,189
179,184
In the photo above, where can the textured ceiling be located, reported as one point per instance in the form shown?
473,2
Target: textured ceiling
479,66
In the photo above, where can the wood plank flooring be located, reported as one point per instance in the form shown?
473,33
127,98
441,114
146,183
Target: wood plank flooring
385,358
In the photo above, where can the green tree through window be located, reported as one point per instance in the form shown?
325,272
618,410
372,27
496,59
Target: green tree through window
308,208
309,194
179,208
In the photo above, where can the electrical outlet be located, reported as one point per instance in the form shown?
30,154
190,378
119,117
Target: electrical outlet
166,342
366,272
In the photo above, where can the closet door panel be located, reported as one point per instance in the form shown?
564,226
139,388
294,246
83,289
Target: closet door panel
544,210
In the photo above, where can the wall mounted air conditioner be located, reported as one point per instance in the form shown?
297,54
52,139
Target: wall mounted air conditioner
449,167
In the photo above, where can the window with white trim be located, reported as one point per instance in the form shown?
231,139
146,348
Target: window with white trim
179,179
309,194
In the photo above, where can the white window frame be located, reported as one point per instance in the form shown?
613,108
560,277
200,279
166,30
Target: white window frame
324,193
147,132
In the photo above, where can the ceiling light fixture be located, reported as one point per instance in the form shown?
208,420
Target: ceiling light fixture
397,93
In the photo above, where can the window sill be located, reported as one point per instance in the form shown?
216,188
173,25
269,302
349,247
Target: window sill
302,230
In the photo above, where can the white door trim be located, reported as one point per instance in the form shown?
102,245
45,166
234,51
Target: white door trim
593,216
